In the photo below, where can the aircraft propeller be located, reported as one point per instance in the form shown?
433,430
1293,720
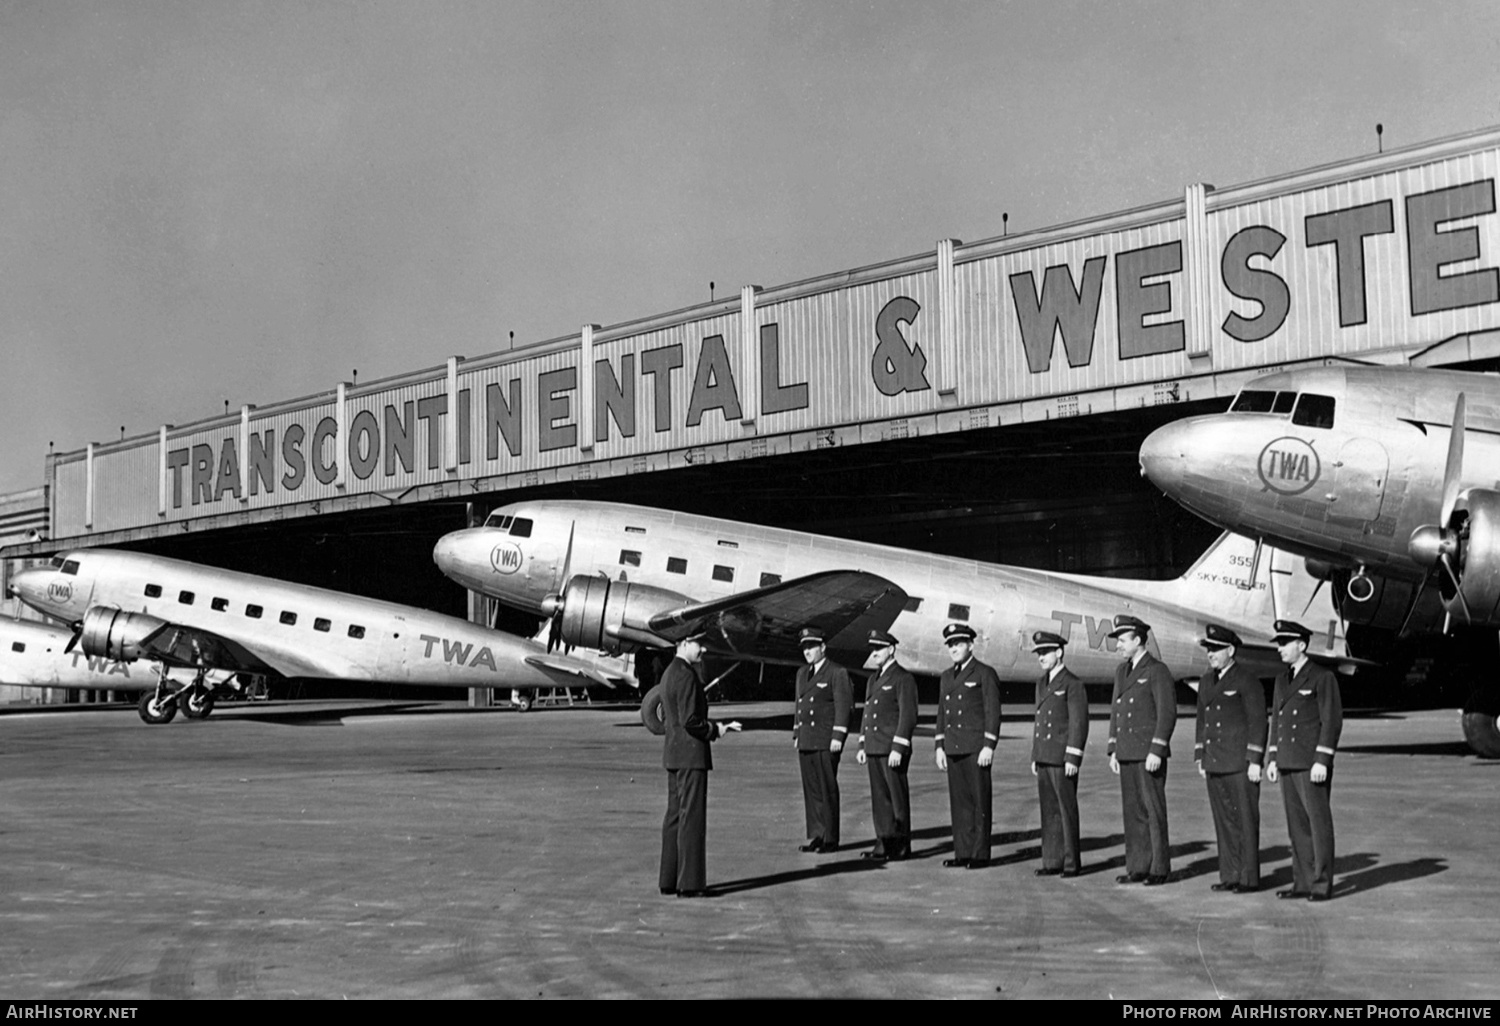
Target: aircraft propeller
1439,545
552,605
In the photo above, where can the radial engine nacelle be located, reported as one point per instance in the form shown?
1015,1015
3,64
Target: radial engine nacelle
1476,527
612,615
112,633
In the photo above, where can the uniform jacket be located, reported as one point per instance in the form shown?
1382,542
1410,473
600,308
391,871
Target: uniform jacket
684,711
1307,718
1062,720
824,699
1231,732
890,712
968,715
1143,710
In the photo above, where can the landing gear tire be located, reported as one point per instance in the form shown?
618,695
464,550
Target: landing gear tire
521,700
196,703
157,710
1482,723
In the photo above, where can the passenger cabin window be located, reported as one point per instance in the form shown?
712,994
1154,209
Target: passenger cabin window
153,591
323,624
219,605
254,612
957,612
676,566
18,646
913,603
629,557
520,527
288,617
186,597
766,580
1314,411
356,631
728,544
723,573
634,530
70,566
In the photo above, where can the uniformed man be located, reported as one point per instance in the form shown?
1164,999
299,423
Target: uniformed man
1062,729
1142,713
885,735
1229,747
1307,718
821,723
968,727
687,760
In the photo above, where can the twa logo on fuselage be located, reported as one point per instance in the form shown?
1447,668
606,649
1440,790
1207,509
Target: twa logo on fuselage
506,558
1289,466
60,592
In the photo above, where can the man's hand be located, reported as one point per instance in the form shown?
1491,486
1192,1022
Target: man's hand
1201,771
1254,772
1033,769
836,746
859,756
1271,775
894,759
986,756
1070,769
1319,773
942,760
1153,763
1114,764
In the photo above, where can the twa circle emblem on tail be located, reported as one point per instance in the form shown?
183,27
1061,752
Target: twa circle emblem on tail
1289,466
506,558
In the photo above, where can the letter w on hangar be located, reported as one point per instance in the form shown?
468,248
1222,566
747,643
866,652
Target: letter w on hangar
982,399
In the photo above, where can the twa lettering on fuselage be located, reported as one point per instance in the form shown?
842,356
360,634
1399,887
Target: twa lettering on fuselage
97,664
60,591
458,653
506,558
1097,631
1289,466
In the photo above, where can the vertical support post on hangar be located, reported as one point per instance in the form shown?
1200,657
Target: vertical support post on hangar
161,470
481,606
751,371
88,487
245,454
1196,270
341,436
586,387
945,356
450,422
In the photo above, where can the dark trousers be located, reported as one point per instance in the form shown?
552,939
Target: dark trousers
820,795
971,803
890,805
1309,824
684,832
1057,794
1235,803
1143,803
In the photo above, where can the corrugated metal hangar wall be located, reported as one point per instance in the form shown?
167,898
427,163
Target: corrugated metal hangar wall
1006,384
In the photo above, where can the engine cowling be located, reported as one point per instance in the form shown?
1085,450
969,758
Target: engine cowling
112,633
1477,525
1384,602
612,615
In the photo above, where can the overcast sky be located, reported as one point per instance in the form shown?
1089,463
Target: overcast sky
209,200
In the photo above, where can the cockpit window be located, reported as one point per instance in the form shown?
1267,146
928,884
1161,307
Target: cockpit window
70,566
500,520
56,561
1253,401
1284,402
1314,411
520,527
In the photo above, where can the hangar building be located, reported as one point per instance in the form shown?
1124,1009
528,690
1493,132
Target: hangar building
982,399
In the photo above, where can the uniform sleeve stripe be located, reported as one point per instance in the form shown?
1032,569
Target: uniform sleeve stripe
1073,751
1256,748
901,741
937,737
1157,741
992,737
1325,751
842,730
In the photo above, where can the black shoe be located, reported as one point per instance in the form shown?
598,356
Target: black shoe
1157,881
669,891
1290,893
956,863
692,894
828,849
1246,888
978,864
1047,872
898,856
1127,878
1232,888
1315,896
874,856
1068,874
812,846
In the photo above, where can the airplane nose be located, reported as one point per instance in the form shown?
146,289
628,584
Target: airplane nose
444,552
1163,455
27,584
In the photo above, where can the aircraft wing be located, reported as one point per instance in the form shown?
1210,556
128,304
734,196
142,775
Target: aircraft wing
763,625
569,670
177,645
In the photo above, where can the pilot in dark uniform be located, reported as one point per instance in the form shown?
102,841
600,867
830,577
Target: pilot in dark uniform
1142,713
821,723
885,736
1062,729
1230,745
968,726
1307,718
687,760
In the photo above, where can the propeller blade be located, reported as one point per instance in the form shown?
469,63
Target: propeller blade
1453,469
1311,598
1457,589
73,641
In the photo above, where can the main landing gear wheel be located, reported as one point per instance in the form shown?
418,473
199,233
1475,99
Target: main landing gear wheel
1482,722
521,700
196,703
157,710
651,714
